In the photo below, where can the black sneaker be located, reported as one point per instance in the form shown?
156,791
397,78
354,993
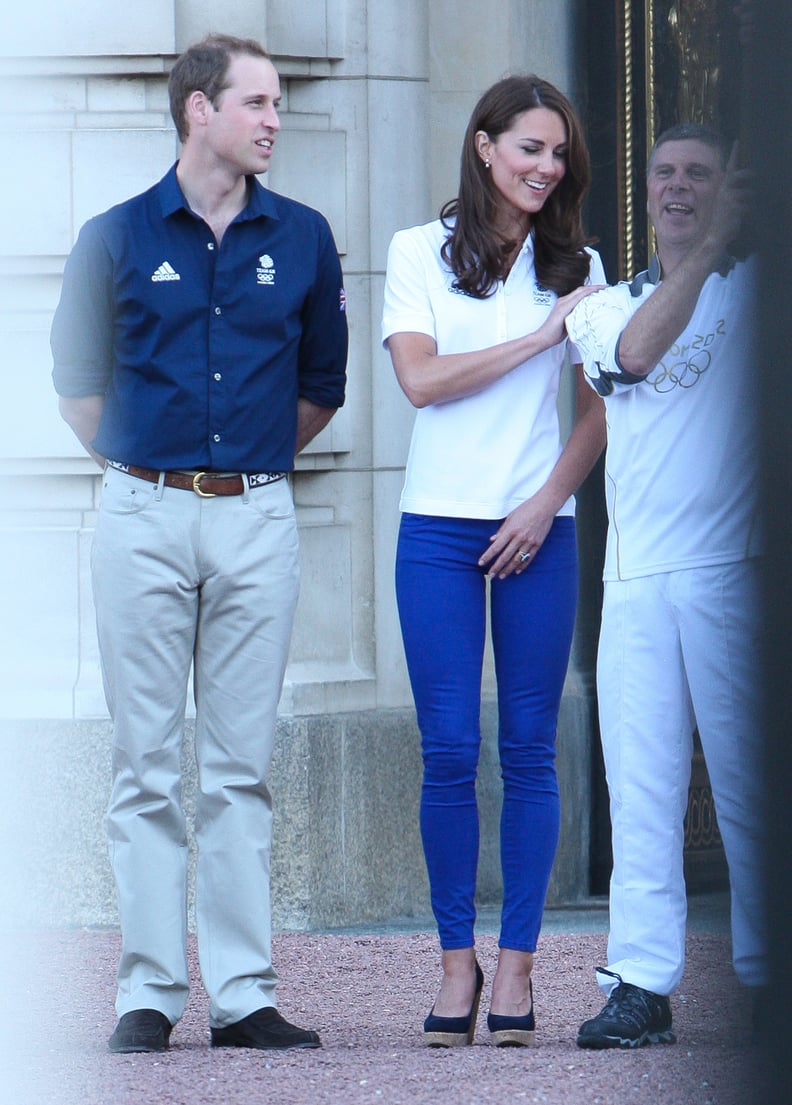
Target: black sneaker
630,1018
141,1030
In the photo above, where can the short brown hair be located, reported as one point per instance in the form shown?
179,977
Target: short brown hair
204,68
693,132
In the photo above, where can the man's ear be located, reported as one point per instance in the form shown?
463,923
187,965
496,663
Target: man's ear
197,108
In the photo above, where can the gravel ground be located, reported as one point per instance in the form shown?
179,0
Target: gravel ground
367,994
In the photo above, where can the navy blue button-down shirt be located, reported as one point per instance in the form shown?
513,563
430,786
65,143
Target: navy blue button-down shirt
202,350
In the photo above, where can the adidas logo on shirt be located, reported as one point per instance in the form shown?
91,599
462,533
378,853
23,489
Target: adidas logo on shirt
166,271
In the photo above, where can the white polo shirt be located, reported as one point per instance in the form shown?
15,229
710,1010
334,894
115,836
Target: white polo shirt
681,476
485,454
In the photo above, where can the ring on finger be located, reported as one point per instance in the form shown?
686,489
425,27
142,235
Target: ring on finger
523,556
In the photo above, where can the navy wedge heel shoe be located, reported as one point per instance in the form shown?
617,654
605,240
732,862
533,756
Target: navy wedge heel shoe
513,1031
454,1031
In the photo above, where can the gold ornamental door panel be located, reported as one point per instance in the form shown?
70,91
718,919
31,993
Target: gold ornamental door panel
678,61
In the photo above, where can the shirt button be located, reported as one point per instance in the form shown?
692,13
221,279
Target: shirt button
210,245
216,437
218,311
218,376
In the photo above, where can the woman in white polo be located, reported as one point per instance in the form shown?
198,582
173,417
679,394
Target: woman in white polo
474,321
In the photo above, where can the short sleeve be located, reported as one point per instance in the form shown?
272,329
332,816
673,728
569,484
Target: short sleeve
594,329
407,302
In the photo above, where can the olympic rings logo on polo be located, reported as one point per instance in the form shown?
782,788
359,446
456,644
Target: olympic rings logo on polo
683,374
686,371
265,273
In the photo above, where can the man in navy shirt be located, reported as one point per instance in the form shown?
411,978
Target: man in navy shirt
199,344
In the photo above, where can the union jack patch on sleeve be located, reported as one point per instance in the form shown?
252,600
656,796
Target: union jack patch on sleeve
342,300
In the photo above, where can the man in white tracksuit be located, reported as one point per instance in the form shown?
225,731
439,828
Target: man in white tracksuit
671,355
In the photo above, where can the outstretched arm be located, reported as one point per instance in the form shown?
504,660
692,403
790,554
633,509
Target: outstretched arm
659,321
427,377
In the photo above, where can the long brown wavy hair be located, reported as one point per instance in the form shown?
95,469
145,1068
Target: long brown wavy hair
474,250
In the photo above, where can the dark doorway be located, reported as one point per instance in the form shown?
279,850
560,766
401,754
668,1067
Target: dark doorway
649,64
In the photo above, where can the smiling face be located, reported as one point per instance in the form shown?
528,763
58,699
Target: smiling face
683,180
527,162
242,123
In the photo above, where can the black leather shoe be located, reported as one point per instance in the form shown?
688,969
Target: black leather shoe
266,1030
141,1030
454,1031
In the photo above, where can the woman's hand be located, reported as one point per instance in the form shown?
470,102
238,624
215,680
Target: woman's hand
518,540
552,330
521,535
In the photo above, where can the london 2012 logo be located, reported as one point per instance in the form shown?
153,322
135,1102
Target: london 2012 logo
685,363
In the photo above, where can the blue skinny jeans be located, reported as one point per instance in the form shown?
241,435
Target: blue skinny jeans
442,596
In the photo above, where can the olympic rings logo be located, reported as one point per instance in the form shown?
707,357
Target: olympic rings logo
684,372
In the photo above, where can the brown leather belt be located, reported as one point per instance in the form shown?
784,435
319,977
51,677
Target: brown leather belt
205,484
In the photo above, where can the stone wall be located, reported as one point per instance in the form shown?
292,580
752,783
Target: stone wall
376,96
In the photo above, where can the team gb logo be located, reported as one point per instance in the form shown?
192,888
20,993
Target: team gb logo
265,273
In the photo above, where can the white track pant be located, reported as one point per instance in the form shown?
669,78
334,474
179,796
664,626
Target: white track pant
179,578
678,649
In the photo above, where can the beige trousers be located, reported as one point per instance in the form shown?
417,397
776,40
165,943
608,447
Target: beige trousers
181,580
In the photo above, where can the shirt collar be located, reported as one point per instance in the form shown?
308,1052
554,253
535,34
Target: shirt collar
652,275
260,204
528,244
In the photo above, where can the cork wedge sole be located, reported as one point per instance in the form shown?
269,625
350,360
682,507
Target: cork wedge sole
454,1031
